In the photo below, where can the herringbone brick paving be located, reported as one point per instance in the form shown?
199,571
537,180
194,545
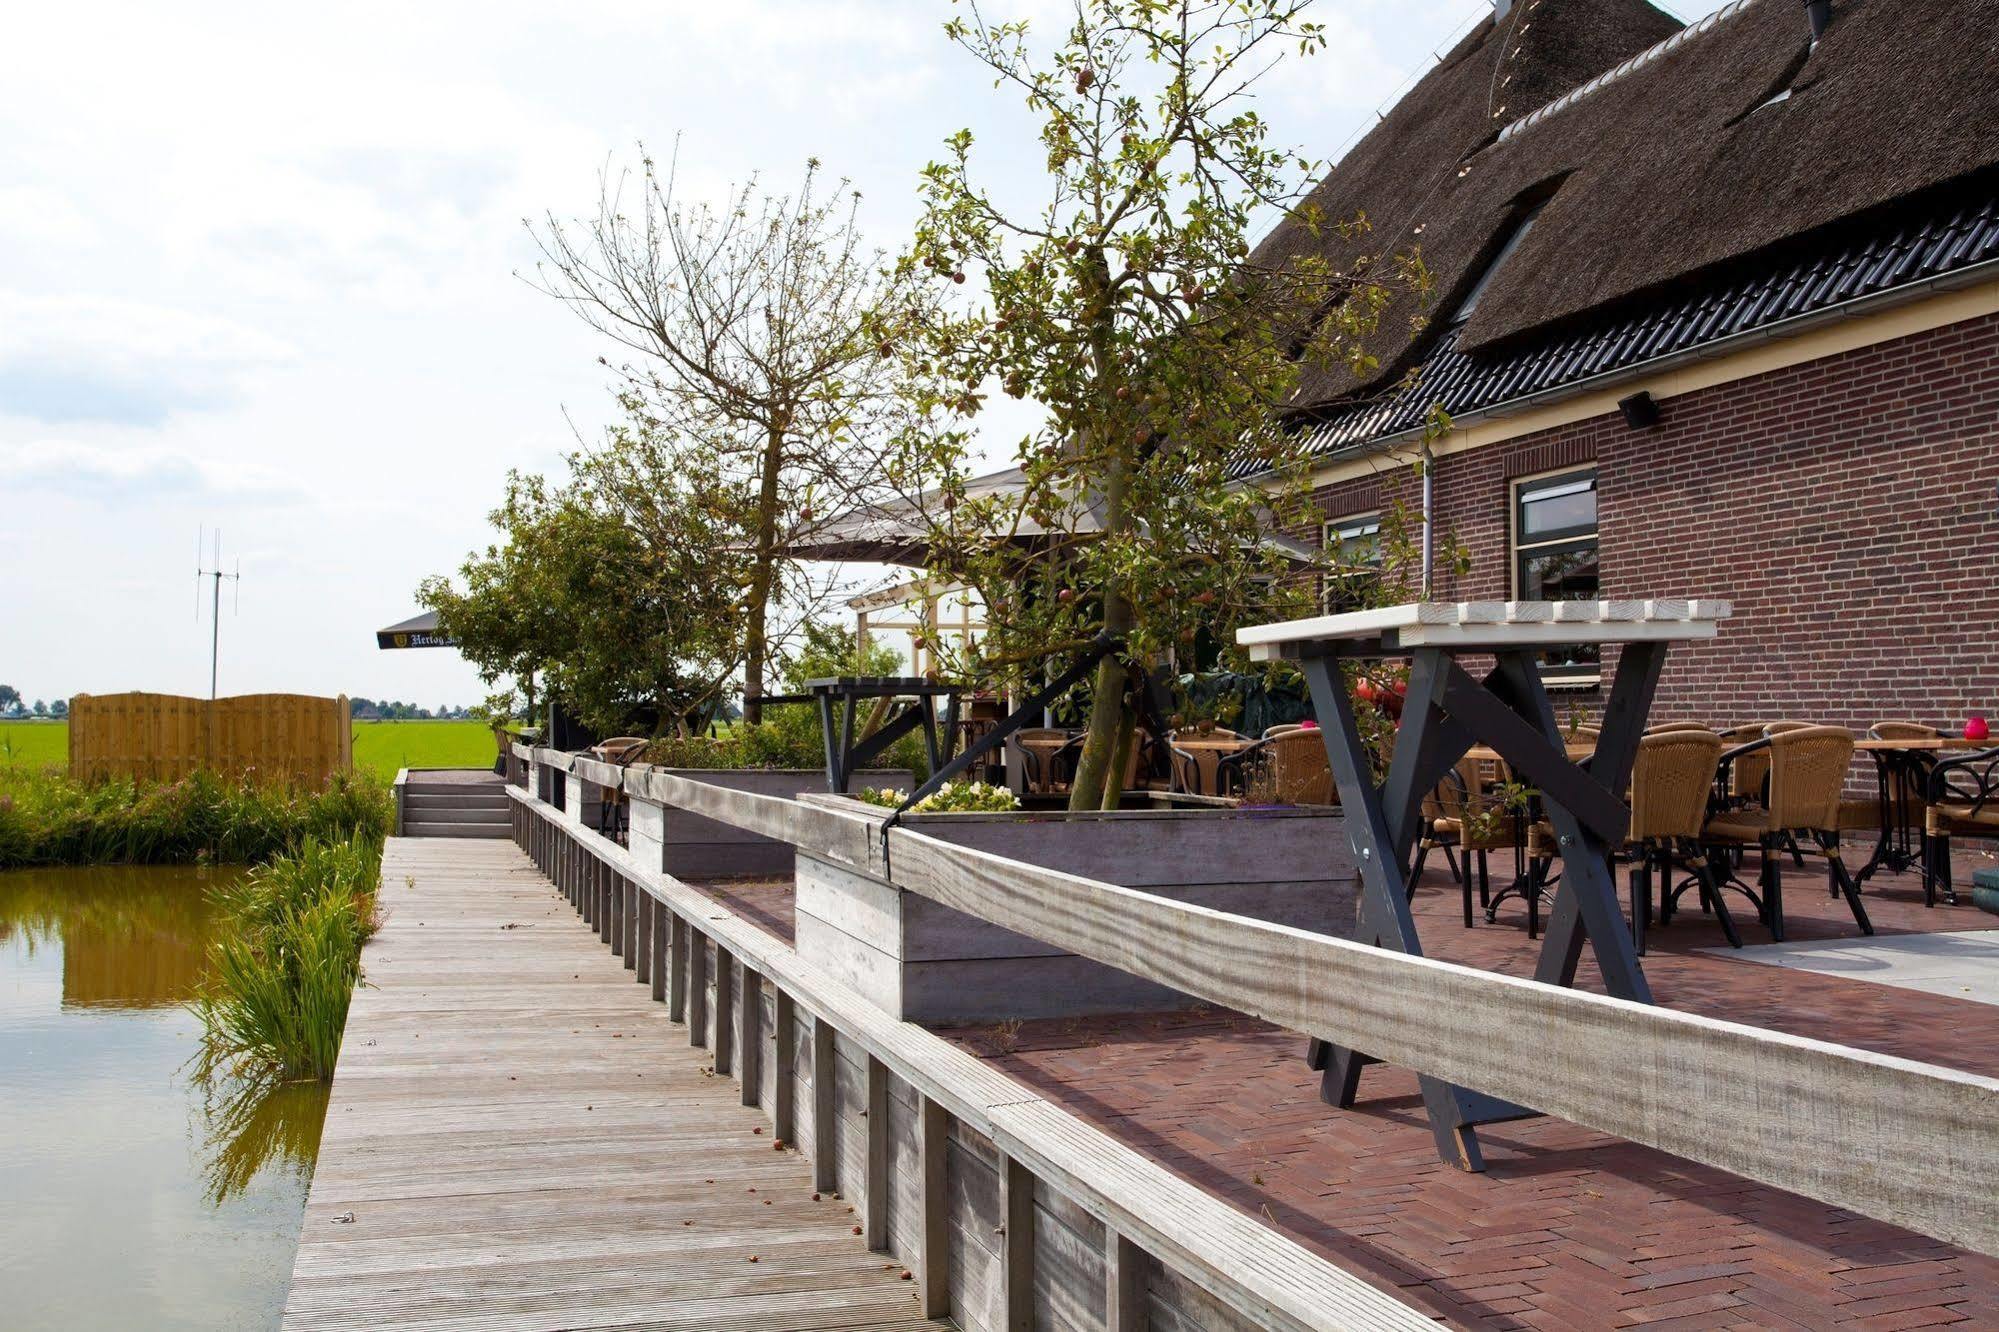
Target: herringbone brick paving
1567,1228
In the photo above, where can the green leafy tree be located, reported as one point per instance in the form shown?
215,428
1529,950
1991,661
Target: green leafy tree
10,698
627,624
755,342
1124,302
59,708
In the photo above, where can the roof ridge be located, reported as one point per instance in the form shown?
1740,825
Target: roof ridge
1616,72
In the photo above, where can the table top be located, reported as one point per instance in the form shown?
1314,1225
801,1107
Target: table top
1872,745
866,686
1213,743
1580,749
1473,625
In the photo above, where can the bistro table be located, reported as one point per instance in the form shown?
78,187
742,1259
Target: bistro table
846,755
1445,714
1902,773
1208,753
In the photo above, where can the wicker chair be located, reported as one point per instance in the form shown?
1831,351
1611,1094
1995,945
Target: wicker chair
1807,769
1190,773
1461,814
1903,730
1667,728
1287,767
1672,777
1046,771
613,814
1962,799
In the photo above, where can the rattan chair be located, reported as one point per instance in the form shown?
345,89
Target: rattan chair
1961,800
1462,815
1667,728
613,814
1189,773
1046,771
1672,778
1903,730
1807,770
1287,767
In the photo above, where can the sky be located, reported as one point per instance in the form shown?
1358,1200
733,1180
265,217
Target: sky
259,273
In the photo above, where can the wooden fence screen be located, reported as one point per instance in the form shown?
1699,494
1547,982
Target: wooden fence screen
161,737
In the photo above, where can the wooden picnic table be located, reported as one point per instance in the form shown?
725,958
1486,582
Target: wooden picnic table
1446,714
917,696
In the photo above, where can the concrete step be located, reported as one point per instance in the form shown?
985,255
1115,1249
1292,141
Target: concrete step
475,794
455,829
498,816
442,803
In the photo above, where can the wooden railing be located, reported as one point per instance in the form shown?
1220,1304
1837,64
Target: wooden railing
1009,1211
1906,1142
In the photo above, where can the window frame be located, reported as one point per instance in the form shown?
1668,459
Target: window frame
1369,518
1574,675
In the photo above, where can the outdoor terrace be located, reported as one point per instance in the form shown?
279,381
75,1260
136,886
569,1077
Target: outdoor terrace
1566,1226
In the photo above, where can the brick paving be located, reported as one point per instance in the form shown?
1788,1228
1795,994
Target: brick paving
1567,1228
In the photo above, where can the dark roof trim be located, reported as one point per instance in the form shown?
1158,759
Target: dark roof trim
1889,263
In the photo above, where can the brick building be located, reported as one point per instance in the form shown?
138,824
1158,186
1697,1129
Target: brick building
1715,312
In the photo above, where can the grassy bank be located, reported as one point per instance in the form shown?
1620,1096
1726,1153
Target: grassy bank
379,747
47,819
287,953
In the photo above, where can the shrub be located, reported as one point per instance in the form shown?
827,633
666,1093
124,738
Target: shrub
286,955
950,798
789,737
50,819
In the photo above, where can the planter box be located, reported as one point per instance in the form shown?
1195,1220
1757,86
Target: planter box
924,962
689,846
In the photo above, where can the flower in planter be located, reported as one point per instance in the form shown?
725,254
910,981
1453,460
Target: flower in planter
950,798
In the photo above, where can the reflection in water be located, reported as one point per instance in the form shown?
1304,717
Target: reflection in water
136,1196
255,1127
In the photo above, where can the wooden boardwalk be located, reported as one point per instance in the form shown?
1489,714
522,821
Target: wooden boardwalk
518,1138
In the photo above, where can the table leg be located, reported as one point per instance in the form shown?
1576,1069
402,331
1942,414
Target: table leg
836,781
1586,901
1381,825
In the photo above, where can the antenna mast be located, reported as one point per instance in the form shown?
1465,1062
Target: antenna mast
215,602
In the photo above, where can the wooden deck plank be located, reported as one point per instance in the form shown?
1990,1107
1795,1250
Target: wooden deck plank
518,1137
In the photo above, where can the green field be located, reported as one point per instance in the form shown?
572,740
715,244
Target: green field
381,747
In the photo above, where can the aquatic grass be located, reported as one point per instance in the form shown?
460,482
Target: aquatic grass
285,959
48,819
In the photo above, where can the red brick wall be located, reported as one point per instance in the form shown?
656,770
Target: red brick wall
1846,507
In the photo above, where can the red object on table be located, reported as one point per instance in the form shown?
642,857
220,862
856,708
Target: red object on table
1976,729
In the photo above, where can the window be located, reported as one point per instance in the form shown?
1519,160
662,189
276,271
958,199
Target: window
1555,556
1505,252
1354,545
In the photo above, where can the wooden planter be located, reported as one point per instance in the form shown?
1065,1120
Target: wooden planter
924,962
689,846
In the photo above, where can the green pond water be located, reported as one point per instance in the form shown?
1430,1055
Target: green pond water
134,1195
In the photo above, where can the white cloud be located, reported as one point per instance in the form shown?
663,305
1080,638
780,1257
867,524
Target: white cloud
93,474
92,357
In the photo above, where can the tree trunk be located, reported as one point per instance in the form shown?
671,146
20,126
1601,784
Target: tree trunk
763,573
1108,708
1127,727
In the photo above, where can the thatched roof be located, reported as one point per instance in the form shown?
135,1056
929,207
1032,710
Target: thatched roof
1674,167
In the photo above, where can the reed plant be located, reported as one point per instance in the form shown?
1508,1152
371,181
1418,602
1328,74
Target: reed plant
47,818
284,961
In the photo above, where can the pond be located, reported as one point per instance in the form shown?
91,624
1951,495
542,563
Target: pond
136,1196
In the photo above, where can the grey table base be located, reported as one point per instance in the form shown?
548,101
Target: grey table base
1445,713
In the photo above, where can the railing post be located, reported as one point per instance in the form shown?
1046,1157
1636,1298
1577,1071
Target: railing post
725,1016
825,1108
656,947
1124,1283
697,987
784,1082
874,1206
628,894
749,1034
934,1229
1016,1246
676,981
641,953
